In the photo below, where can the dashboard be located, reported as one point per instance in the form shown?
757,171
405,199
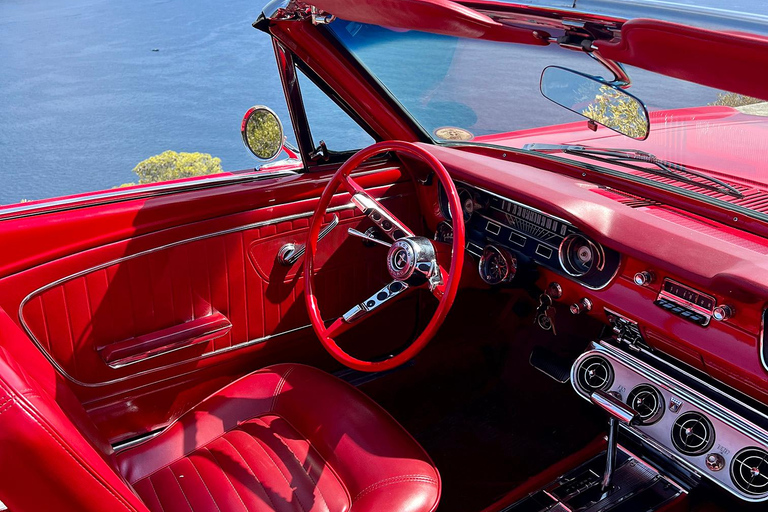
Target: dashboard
505,234
714,425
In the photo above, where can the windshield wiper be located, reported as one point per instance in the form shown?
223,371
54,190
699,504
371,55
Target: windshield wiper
624,157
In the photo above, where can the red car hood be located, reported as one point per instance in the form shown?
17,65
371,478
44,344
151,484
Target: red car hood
721,141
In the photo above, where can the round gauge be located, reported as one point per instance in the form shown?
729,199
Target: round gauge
497,265
579,255
444,233
467,203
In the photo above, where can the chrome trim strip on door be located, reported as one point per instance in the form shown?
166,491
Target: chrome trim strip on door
47,287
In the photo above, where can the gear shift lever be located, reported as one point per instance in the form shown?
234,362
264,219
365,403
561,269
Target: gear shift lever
618,411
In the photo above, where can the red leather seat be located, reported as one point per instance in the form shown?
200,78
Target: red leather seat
287,437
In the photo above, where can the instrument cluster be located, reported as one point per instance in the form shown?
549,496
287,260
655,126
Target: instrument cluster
699,426
505,234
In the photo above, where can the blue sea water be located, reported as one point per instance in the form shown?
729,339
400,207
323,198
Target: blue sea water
84,98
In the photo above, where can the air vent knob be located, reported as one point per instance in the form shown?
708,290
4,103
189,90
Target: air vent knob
643,278
715,462
723,312
583,305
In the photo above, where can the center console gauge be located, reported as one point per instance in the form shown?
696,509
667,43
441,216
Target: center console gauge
497,265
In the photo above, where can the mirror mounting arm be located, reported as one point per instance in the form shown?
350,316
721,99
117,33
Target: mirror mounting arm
579,42
620,77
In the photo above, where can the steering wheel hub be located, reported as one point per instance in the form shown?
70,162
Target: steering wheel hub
411,259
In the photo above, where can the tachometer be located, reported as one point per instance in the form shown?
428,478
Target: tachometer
497,265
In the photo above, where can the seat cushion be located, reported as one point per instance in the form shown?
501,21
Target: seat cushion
288,437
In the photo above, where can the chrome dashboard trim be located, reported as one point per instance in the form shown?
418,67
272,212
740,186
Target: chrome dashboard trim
81,273
523,205
761,342
756,433
562,271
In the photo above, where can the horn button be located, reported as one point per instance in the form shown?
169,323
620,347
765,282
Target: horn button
412,260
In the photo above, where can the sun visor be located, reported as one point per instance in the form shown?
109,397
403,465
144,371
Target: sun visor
436,16
731,61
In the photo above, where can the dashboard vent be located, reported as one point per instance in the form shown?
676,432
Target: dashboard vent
648,402
749,471
693,434
593,373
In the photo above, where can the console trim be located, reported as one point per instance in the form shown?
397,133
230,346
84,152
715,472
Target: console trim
679,389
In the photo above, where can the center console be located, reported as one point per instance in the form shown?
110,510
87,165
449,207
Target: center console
677,431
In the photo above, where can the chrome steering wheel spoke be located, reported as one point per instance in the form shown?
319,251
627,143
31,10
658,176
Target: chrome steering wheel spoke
375,211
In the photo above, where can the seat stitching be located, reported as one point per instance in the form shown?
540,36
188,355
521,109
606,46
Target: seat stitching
395,480
325,461
300,465
204,484
279,388
181,488
252,472
162,508
227,477
190,452
259,443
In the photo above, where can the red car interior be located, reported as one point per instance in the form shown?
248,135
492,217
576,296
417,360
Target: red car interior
157,353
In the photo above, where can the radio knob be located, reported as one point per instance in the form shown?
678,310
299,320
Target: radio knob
723,312
583,305
643,278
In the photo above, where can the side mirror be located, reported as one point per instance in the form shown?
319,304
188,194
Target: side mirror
262,132
597,100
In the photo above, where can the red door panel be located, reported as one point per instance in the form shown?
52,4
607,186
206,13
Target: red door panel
146,326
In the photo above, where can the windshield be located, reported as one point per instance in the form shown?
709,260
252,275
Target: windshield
470,89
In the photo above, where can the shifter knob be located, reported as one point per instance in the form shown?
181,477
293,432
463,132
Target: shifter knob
614,407
617,411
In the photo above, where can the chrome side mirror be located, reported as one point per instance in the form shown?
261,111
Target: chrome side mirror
599,101
262,132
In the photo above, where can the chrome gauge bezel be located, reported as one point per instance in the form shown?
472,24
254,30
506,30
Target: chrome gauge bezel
568,256
732,431
492,251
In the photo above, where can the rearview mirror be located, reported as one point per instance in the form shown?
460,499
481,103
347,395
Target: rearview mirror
597,100
262,132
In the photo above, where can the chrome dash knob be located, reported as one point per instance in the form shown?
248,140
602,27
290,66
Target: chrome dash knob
643,278
723,312
583,305
554,290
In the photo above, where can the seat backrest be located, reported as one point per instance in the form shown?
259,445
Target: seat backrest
52,457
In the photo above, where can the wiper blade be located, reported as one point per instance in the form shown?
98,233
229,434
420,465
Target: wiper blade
624,157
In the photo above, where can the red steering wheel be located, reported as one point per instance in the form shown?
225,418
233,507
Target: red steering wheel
411,260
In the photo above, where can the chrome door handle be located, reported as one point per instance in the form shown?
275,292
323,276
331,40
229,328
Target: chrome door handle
290,253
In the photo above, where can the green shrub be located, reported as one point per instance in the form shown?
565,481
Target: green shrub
731,99
171,165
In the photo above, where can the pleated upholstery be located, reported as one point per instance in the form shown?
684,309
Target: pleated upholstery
285,438
262,465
